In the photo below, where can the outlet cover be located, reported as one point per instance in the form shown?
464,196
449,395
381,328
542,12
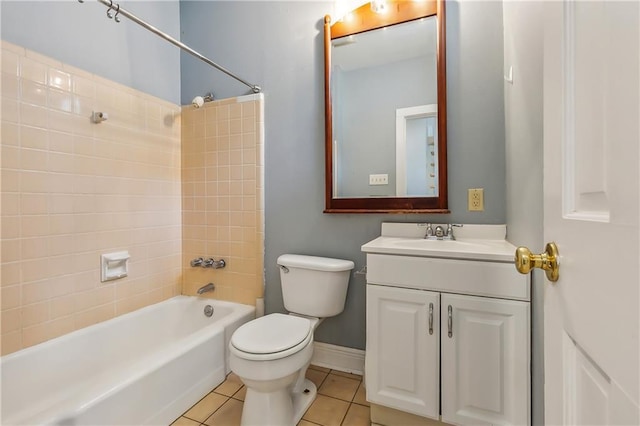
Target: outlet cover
476,199
382,179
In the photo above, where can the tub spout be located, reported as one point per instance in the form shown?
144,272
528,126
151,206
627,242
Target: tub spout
206,288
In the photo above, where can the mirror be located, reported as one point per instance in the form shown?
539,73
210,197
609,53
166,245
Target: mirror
385,99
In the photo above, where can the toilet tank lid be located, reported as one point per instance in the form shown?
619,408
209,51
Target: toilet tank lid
314,262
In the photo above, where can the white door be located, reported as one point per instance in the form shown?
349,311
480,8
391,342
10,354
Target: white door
591,202
485,360
403,349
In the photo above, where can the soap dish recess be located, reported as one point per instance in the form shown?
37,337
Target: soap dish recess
114,266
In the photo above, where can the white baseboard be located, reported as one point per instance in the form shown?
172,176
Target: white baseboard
338,358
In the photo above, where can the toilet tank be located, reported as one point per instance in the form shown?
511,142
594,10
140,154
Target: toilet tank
314,286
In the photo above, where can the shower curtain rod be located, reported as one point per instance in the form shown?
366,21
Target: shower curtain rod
115,10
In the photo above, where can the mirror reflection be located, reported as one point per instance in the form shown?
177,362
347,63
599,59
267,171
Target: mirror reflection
417,151
385,109
384,87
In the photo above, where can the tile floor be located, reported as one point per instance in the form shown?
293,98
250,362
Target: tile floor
340,401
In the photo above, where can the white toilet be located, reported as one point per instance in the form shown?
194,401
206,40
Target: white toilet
271,354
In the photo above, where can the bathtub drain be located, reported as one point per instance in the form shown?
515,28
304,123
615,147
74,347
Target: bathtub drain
208,310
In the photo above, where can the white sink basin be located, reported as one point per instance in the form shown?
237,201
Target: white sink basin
478,249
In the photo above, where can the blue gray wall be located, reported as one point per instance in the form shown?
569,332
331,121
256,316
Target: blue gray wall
366,129
278,45
523,50
81,35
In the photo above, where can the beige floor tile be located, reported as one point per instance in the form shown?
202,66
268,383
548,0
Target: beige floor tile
230,386
316,376
183,421
306,423
361,395
323,369
349,375
339,387
227,415
206,406
240,394
358,415
326,411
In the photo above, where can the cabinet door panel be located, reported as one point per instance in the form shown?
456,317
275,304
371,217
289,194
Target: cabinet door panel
485,362
402,356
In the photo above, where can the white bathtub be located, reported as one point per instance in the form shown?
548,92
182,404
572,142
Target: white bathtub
145,367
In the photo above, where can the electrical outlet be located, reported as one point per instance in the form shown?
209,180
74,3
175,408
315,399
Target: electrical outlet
476,199
379,179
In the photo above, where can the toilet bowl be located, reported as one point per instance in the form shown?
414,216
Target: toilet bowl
271,354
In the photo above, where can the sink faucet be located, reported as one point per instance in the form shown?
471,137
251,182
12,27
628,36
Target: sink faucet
439,233
206,288
450,229
429,234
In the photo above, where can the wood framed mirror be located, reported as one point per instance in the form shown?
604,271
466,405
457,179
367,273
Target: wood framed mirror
385,109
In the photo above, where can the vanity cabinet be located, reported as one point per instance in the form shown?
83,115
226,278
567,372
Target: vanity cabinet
448,339
403,349
484,360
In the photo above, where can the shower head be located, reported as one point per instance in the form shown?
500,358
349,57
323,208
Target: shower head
198,101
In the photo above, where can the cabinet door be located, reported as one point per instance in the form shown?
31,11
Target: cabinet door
485,360
402,356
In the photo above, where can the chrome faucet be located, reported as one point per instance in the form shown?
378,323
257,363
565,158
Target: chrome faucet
450,229
206,288
215,264
439,233
429,234
208,263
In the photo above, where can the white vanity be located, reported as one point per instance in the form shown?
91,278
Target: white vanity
448,329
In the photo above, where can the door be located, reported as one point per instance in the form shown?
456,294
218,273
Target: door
485,360
591,200
403,346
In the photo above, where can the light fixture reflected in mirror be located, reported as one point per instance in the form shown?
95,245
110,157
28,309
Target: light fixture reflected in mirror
379,6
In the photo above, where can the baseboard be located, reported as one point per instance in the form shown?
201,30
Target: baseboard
338,358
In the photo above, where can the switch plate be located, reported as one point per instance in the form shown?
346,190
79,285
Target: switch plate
476,199
379,179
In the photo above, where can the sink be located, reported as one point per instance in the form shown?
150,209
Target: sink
479,249
442,244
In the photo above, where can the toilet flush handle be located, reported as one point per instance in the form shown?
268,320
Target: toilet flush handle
284,269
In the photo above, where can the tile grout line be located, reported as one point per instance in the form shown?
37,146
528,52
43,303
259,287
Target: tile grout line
216,410
228,398
185,413
345,416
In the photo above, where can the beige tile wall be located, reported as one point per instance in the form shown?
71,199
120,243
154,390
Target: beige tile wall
72,190
222,196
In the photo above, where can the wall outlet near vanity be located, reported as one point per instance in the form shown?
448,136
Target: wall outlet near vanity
382,179
476,199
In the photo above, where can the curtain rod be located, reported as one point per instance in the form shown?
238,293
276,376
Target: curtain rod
115,10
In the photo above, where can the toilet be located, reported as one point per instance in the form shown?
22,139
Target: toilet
271,354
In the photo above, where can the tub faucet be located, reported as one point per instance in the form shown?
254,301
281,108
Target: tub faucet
212,263
206,288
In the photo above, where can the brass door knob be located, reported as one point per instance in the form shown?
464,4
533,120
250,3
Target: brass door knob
549,261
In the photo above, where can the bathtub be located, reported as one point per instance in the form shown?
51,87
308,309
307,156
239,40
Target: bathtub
145,367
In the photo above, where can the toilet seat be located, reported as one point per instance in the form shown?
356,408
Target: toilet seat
271,337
